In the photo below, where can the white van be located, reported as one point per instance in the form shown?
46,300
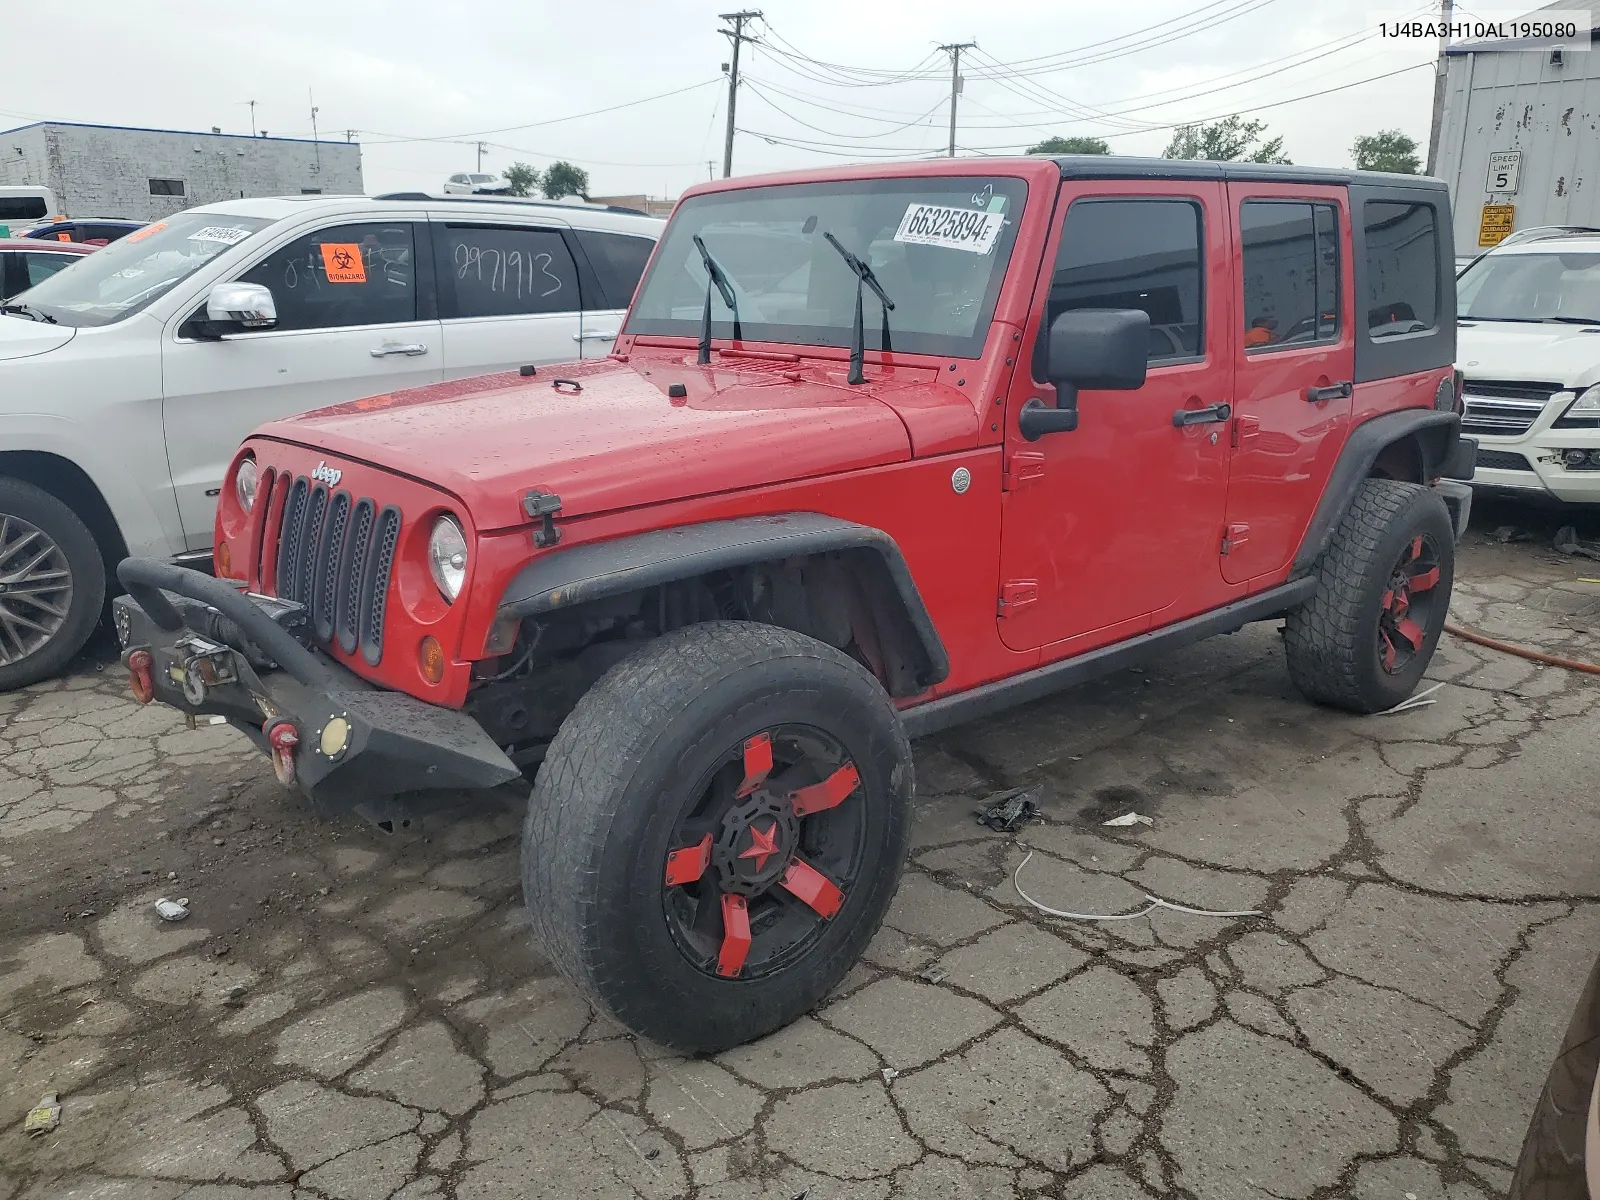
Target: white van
128,381
23,207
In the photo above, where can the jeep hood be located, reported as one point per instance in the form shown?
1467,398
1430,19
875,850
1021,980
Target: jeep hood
1521,350
620,441
22,337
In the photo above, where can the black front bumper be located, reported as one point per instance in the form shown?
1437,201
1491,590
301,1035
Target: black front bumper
216,650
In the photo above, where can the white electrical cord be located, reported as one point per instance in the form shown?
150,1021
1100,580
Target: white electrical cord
1155,903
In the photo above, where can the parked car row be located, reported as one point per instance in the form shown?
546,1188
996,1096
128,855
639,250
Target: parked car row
127,383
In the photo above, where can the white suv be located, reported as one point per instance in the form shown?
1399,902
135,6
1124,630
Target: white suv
1529,348
127,381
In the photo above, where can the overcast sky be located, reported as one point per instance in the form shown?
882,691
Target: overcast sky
405,69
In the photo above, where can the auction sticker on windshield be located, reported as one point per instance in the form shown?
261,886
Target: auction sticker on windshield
228,235
954,228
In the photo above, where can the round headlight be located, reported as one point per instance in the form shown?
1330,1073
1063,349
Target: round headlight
447,557
244,484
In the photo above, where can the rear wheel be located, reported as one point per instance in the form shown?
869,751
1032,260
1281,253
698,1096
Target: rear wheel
52,584
717,831
1560,1157
1366,636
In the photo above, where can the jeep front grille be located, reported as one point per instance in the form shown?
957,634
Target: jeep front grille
336,556
1504,408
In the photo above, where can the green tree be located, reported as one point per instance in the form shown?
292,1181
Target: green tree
522,178
1070,145
1387,150
563,179
1232,139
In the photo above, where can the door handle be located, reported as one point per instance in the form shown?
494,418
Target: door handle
1201,416
410,349
598,335
1334,391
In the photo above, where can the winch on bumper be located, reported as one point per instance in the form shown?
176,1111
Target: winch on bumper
207,648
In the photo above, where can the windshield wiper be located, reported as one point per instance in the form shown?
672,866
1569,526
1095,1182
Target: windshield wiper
1572,320
27,310
718,278
858,344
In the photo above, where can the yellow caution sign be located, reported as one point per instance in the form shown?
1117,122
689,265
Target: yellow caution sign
1496,223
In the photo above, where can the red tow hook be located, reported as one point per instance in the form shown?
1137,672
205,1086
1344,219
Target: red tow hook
140,681
282,737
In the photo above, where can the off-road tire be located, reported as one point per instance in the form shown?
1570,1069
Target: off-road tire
619,773
1555,1163
64,527
1332,641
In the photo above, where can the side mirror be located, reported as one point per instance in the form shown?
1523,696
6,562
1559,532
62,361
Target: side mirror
247,305
1104,349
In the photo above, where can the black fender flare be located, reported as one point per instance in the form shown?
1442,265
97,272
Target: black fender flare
1437,433
596,570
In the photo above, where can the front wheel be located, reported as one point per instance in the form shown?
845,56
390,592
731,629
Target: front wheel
52,584
1365,637
717,831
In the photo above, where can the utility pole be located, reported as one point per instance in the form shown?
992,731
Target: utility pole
954,51
316,142
480,157
1441,74
736,36
252,105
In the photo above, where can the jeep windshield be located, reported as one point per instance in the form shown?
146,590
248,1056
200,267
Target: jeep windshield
1536,286
132,272
938,246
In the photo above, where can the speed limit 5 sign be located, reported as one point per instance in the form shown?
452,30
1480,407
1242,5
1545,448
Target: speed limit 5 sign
1504,167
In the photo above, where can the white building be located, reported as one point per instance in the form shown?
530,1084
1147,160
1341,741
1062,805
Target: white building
1520,145
145,174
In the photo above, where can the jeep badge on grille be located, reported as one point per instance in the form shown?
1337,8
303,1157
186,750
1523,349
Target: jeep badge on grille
323,473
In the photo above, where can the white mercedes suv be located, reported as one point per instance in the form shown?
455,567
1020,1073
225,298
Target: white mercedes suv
1528,344
128,379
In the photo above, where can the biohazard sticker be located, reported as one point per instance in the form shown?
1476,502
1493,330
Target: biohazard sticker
341,262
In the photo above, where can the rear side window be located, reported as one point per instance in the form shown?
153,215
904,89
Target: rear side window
501,271
41,266
618,260
1291,273
1142,254
23,208
1402,267
348,275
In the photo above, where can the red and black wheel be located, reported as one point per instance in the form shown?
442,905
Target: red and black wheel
1409,604
717,832
1365,637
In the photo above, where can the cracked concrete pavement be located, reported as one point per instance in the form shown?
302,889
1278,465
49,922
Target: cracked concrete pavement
352,1016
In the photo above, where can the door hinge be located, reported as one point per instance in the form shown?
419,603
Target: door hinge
1023,466
1234,536
1244,427
1016,595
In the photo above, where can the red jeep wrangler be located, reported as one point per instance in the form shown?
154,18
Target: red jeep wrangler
878,450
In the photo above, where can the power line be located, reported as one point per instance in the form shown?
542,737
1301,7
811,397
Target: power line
770,103
478,133
889,151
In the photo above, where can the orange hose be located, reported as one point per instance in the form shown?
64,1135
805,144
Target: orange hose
1570,664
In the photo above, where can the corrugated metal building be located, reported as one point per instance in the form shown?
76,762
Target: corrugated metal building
1536,111
145,174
